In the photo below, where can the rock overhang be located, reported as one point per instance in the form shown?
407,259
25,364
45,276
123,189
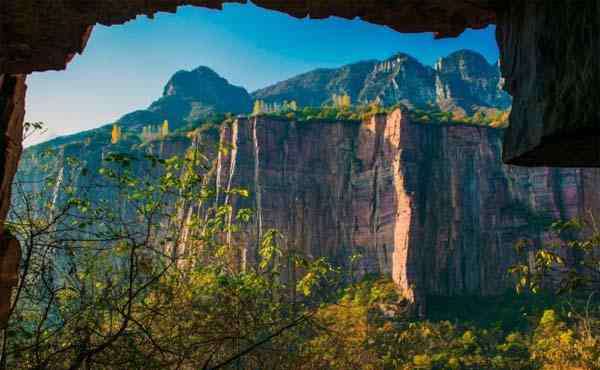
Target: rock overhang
38,35
537,39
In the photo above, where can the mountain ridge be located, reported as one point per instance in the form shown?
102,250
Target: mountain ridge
191,96
398,78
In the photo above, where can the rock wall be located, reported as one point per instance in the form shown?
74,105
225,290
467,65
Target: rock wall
12,112
300,177
38,35
433,206
548,53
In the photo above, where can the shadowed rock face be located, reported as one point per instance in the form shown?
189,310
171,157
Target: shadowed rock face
38,35
191,96
204,89
548,50
432,206
45,34
12,111
548,59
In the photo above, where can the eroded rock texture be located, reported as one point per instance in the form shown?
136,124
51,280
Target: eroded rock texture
549,51
299,185
549,54
432,206
12,111
45,34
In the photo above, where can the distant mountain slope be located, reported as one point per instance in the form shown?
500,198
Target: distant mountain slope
400,78
190,96
316,87
463,81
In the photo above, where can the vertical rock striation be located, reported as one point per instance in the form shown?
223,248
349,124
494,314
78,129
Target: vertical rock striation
432,206
299,185
12,112
466,81
549,56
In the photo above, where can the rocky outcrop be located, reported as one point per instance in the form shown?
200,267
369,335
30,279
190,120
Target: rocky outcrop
548,53
463,82
400,78
549,59
433,206
45,34
201,91
12,111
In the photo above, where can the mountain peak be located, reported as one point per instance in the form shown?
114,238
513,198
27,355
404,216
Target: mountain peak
192,96
402,56
466,81
463,59
457,80
204,69
465,53
189,83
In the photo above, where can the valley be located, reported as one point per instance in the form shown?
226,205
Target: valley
387,174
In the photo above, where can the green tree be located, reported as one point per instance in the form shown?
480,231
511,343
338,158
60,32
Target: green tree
115,134
136,269
346,101
164,130
570,264
259,107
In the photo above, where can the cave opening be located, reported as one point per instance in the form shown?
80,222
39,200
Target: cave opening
377,151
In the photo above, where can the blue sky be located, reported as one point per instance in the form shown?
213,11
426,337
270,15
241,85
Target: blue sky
125,67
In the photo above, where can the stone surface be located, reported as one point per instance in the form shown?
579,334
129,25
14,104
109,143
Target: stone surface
12,111
400,78
549,54
45,34
465,81
10,256
548,49
315,88
462,81
432,206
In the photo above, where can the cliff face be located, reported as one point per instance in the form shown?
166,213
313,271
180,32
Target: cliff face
547,53
432,206
46,34
299,186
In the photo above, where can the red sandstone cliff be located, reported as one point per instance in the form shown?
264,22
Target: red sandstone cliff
432,206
